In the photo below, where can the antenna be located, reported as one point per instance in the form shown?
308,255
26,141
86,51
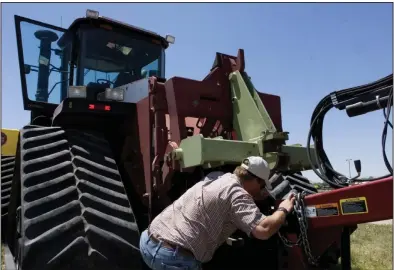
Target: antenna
61,21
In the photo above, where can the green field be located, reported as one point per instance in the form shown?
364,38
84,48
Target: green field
372,248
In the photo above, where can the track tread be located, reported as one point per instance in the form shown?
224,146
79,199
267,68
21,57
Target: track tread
75,210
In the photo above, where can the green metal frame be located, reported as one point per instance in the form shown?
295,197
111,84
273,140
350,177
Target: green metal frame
255,132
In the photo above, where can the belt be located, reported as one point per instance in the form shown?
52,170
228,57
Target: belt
181,250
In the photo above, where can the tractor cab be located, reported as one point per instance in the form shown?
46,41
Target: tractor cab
94,59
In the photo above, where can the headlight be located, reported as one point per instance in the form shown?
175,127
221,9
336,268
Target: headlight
77,91
170,39
114,94
92,14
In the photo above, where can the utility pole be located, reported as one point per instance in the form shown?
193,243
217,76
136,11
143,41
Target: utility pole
348,161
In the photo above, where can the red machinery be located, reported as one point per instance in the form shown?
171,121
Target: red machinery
331,216
115,147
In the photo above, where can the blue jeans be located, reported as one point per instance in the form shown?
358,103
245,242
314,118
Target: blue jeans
158,257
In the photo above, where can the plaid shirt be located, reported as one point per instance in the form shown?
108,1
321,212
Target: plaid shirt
206,215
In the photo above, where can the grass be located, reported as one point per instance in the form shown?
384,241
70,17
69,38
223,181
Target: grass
372,248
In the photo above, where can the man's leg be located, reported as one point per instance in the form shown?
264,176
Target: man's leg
171,259
146,250
158,257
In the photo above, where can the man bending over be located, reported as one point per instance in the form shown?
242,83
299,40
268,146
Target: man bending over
188,232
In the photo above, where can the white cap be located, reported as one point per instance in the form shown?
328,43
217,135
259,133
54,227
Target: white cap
258,167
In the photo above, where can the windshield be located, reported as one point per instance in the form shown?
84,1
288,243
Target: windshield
103,57
115,59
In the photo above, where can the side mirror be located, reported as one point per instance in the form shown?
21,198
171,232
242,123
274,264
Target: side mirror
357,165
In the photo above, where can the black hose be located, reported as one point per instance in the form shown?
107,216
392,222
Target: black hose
389,122
341,100
322,176
384,133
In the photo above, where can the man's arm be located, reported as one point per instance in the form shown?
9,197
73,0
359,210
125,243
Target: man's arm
269,225
247,217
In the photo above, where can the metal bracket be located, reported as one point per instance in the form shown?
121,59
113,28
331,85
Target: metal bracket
239,242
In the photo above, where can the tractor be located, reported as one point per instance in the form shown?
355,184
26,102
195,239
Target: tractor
111,142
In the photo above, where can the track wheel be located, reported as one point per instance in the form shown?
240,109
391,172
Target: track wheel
74,210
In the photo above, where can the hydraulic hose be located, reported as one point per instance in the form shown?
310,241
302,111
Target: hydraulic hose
356,100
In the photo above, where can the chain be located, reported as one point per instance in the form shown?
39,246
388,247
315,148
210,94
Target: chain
299,209
287,242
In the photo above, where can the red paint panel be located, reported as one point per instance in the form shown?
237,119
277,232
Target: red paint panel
198,99
379,197
273,107
144,124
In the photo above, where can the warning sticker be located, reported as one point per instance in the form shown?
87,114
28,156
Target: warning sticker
353,206
327,210
310,211
43,60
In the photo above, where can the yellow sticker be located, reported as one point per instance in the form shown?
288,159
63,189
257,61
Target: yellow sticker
354,206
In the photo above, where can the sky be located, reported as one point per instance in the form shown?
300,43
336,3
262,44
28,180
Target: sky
300,52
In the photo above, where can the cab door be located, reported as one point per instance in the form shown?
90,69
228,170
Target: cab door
43,63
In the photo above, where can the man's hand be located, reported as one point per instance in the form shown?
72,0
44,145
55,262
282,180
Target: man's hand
288,204
271,224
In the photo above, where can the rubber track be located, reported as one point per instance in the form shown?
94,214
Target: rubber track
75,211
7,172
